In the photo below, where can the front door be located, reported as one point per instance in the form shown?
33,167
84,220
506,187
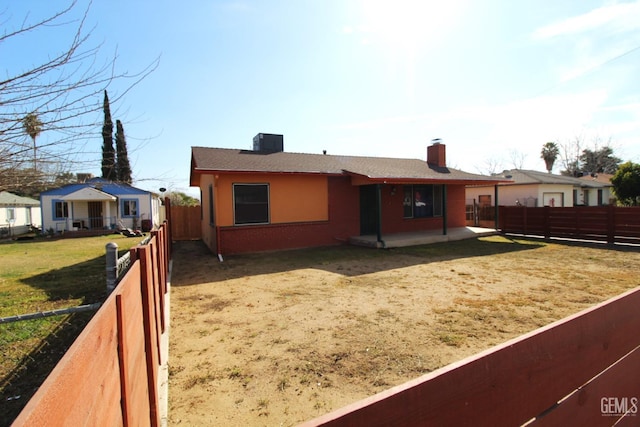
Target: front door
368,210
95,215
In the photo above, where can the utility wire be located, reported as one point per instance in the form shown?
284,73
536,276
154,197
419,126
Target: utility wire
589,71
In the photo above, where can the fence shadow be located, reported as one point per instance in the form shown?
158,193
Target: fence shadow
20,384
84,281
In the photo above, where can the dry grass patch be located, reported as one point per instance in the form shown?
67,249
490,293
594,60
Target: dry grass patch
276,339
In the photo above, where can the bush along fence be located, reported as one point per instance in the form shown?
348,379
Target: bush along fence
582,370
109,376
611,224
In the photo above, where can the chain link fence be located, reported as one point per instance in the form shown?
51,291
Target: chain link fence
32,344
27,358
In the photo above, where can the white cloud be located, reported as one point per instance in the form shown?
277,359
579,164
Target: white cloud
617,17
547,117
588,42
476,133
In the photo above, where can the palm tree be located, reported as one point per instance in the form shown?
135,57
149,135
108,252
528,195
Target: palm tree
549,154
32,126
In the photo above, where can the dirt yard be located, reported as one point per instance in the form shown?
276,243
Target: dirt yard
280,338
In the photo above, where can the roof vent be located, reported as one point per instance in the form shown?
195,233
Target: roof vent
268,143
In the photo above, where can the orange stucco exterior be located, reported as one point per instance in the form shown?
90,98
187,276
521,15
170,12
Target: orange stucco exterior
291,199
308,210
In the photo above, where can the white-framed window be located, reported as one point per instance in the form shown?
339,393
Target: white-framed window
251,203
129,207
11,214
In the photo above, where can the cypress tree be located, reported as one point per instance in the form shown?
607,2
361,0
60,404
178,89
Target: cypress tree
108,153
122,163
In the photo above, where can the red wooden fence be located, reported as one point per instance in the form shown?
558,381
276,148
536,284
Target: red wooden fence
109,376
610,224
582,370
185,222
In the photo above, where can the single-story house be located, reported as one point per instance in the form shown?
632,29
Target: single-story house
269,199
535,189
99,204
17,214
599,181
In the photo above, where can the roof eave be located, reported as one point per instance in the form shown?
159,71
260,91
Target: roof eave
365,179
201,171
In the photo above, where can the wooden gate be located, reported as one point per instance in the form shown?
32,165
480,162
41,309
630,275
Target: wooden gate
185,223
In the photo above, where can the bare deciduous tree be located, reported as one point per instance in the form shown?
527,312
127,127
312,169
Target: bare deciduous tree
63,92
491,166
570,156
578,160
517,159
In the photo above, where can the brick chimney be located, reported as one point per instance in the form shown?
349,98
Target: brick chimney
437,154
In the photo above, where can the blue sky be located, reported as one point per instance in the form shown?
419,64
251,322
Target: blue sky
494,80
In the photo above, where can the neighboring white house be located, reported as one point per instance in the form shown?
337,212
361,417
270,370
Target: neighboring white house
99,204
17,214
536,189
603,179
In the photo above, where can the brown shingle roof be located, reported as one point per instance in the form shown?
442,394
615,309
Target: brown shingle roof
205,159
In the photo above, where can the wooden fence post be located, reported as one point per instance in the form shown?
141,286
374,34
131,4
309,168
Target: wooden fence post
150,330
611,225
547,227
112,266
160,269
125,387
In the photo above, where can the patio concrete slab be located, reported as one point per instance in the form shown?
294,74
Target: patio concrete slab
398,240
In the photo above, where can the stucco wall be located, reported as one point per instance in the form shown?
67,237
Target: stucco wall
542,193
24,217
308,211
507,194
207,225
551,191
341,223
291,199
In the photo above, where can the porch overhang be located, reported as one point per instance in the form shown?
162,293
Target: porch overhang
358,179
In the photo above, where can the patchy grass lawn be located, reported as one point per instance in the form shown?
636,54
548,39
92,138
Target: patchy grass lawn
280,338
39,275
